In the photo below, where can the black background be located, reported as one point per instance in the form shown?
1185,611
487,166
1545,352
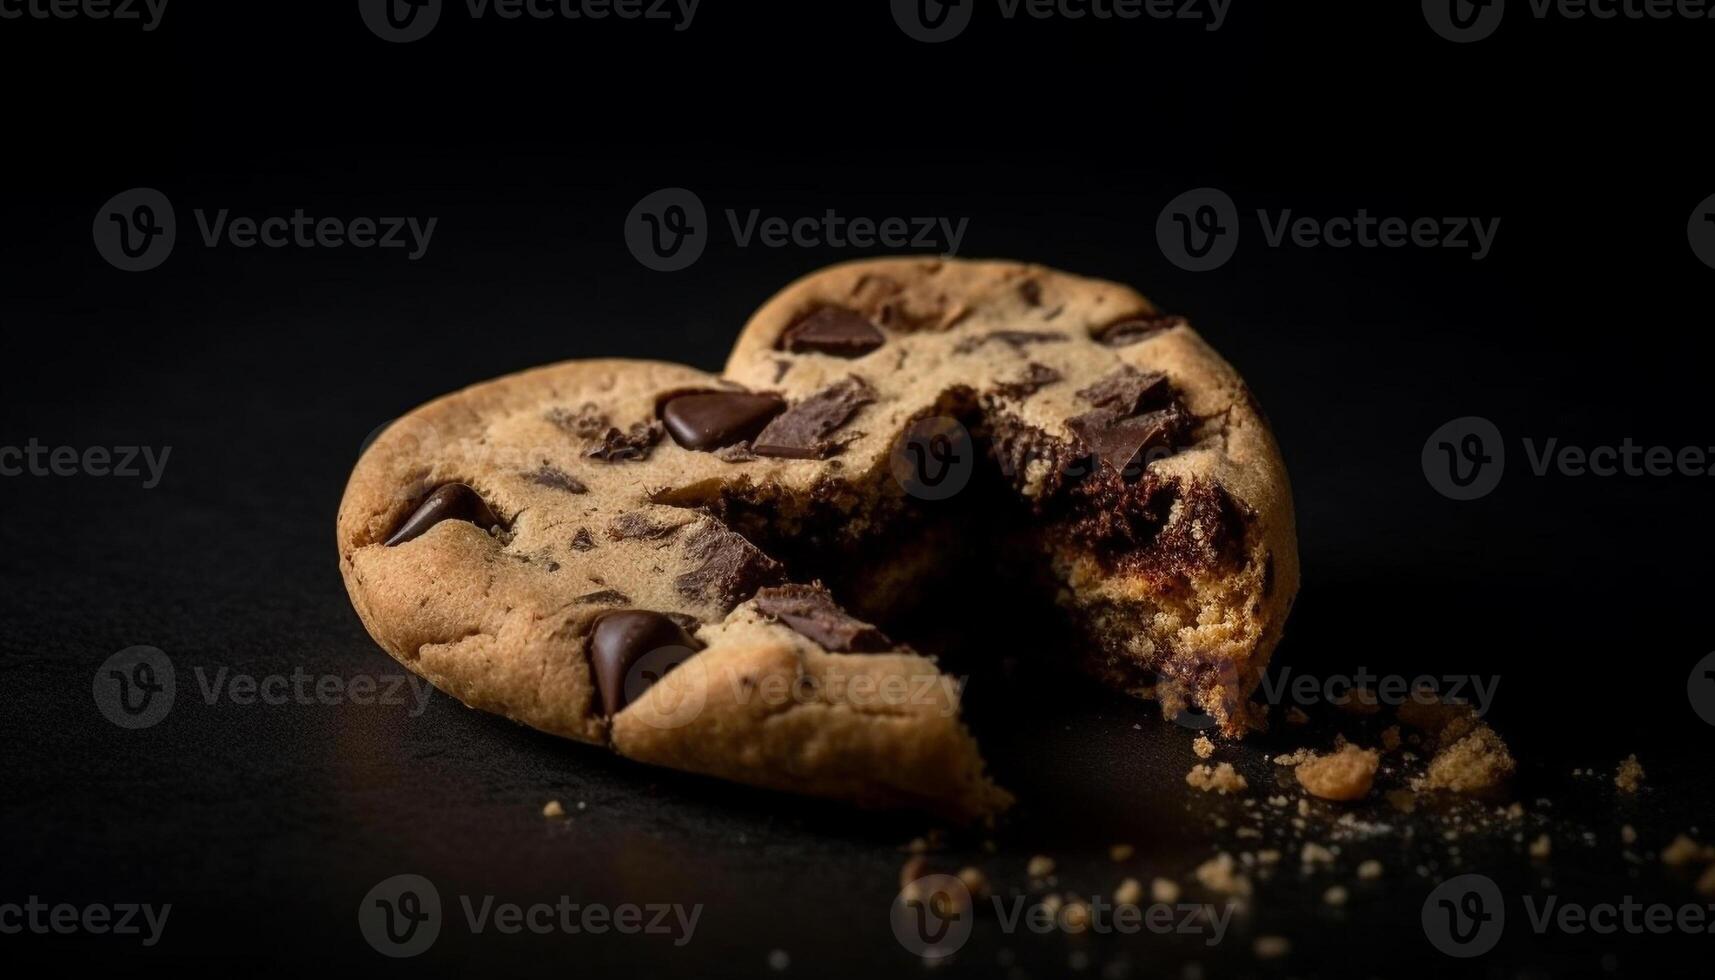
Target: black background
265,370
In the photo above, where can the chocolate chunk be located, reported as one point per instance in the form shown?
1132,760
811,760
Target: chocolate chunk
833,330
729,568
587,422
557,479
780,369
1125,444
451,502
707,420
605,597
1016,339
583,540
1129,391
812,612
635,638
1134,329
635,526
1036,377
802,431
634,444
1031,292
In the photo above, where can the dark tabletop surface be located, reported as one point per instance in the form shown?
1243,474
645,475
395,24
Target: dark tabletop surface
265,826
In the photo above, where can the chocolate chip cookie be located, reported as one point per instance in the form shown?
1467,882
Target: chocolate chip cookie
701,571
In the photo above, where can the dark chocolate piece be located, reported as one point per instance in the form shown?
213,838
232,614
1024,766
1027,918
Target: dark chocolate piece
1134,329
833,330
812,612
801,432
557,479
729,568
1125,443
708,420
1129,391
583,540
622,639
617,446
450,502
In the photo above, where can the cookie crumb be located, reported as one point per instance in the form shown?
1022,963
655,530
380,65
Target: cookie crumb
1296,716
1294,757
1345,775
1335,896
1390,738
1630,775
1475,761
1221,874
975,882
1220,778
1040,866
1685,851
1314,854
553,810
1164,891
1203,747
1706,883
1129,892
1542,847
1271,947
1628,834
1121,852
1075,917
1370,870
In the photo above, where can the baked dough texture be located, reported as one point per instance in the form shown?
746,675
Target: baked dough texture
1128,474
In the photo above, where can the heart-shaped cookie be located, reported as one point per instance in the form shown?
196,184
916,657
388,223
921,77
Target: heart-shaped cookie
634,553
